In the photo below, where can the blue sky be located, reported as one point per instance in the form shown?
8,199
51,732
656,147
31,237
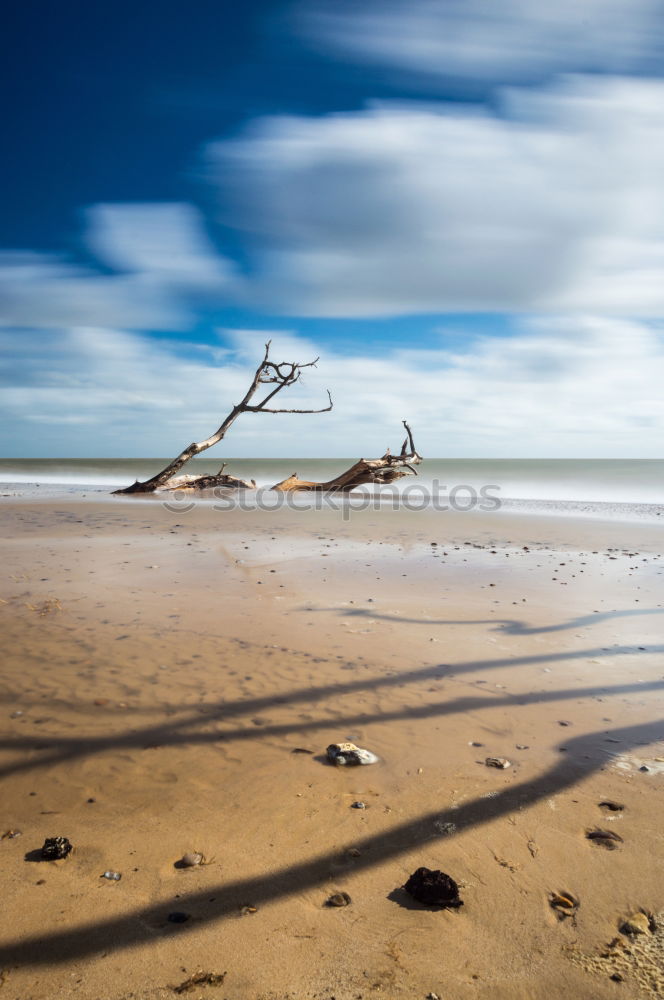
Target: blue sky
457,204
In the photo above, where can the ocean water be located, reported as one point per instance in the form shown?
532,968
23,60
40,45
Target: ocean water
606,486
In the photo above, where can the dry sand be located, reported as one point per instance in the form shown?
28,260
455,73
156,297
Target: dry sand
160,669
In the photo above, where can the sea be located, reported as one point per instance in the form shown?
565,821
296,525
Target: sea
631,489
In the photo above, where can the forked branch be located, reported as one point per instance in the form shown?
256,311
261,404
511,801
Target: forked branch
281,376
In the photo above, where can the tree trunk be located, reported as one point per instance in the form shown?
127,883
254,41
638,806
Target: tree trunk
368,470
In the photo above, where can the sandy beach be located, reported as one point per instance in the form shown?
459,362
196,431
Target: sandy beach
170,683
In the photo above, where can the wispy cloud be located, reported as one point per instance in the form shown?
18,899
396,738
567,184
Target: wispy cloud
41,290
506,41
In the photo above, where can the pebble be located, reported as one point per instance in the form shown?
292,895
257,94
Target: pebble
191,859
500,762
178,917
564,903
358,805
112,876
338,899
347,753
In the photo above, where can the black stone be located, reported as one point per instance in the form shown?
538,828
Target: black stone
433,888
55,848
178,917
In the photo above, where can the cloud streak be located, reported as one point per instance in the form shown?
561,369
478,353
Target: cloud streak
513,41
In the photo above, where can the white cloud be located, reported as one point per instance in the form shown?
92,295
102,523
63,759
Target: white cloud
560,387
553,203
167,241
493,40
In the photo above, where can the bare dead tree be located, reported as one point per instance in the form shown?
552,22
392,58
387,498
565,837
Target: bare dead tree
280,376
368,470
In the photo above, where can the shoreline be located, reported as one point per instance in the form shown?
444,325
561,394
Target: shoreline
167,666
271,501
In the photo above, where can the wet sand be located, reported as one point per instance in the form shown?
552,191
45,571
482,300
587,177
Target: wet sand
162,668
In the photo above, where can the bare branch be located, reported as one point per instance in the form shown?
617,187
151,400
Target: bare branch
262,409
282,375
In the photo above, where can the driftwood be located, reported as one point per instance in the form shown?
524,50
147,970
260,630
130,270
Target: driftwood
268,373
209,482
368,470
379,471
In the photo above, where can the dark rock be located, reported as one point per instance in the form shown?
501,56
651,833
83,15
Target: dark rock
178,917
433,888
55,848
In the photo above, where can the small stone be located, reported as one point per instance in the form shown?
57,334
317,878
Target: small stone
178,917
338,899
617,977
611,805
432,996
564,903
10,834
55,848
644,767
500,762
247,909
522,746
347,753
112,876
191,859
358,805
638,923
